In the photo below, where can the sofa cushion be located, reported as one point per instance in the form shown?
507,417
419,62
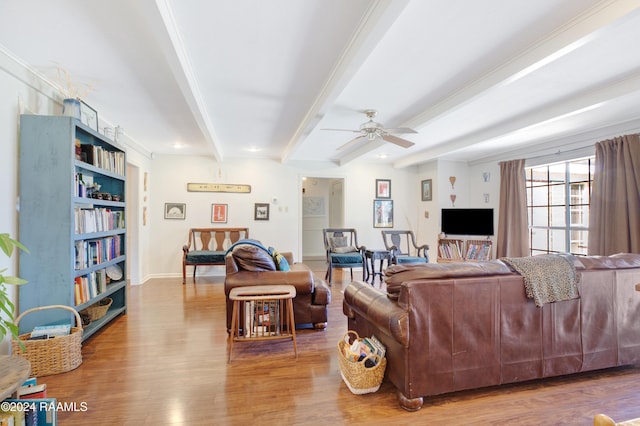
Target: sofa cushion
205,256
250,257
345,258
410,259
395,275
616,261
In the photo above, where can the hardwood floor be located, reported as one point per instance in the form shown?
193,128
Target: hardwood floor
164,363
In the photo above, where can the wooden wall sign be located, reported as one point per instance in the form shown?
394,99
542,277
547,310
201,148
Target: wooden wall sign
218,187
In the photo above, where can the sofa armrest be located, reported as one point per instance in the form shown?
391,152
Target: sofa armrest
361,299
301,279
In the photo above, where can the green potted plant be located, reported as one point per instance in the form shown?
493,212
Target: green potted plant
7,308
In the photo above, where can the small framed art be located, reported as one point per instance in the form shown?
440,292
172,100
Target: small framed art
88,116
383,213
261,211
219,213
426,190
383,188
175,210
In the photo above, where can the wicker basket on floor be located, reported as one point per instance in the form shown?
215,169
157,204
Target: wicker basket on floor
51,356
98,309
359,378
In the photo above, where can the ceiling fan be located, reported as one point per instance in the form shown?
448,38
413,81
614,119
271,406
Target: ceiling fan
372,130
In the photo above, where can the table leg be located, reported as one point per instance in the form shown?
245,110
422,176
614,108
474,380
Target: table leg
234,328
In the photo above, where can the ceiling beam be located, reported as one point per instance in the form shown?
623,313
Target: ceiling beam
183,72
375,23
573,105
569,37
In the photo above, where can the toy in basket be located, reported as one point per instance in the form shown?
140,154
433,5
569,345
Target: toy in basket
97,310
54,355
362,363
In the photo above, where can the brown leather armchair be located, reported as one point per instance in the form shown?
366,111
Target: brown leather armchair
248,265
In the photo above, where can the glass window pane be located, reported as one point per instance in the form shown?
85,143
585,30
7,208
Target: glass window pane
558,216
579,241
549,189
539,239
557,195
579,171
539,176
539,216
557,173
557,242
540,196
580,216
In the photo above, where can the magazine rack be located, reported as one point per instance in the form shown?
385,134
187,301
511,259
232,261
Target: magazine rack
265,312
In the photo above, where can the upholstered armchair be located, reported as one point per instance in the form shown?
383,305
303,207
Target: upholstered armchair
343,251
403,248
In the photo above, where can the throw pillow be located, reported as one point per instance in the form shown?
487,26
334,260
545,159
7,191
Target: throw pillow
349,249
282,264
336,242
251,257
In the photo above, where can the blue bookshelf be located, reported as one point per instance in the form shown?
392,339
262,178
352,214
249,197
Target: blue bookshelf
59,160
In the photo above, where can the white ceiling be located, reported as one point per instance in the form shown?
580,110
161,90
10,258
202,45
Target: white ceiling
476,79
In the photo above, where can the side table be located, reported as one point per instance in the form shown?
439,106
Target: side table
370,257
268,314
14,370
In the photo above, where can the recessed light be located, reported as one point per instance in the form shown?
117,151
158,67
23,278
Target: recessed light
252,149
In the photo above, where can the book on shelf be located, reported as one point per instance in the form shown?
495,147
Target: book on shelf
36,411
32,391
95,155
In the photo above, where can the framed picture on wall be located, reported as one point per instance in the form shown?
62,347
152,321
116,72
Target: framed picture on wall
219,213
261,211
383,188
383,213
426,190
175,210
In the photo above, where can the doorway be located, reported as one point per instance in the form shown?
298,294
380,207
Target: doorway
322,207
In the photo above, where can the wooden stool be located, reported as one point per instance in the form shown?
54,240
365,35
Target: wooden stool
268,314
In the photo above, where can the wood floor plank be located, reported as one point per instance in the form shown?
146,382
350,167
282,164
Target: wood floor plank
165,363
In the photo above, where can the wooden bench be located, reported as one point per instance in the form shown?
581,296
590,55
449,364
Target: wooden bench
207,246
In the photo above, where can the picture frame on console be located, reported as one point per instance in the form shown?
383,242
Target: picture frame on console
383,188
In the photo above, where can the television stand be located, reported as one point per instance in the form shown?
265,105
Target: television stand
464,249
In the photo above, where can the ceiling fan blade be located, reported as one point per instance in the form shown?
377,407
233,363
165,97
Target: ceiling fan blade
352,142
344,130
400,130
398,141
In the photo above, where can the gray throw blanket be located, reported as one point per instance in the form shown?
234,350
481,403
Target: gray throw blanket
547,278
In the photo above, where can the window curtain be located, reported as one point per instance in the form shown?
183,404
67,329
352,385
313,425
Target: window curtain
614,215
513,231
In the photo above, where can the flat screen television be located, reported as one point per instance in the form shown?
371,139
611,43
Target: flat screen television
467,221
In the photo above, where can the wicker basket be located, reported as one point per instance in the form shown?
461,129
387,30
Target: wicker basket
358,378
97,310
51,356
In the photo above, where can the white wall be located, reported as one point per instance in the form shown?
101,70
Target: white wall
268,179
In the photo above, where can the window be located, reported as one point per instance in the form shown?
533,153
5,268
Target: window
558,198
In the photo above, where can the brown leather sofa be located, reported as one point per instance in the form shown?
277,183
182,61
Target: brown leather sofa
457,326
248,265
